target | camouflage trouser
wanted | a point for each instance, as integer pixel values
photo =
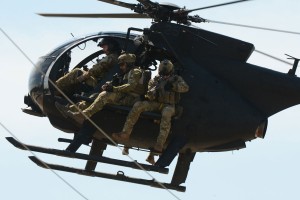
(167, 111)
(115, 98)
(69, 82)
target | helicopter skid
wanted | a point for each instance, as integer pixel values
(119, 176)
(91, 163)
(89, 158)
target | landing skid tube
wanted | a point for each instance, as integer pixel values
(119, 176)
(95, 157)
(87, 157)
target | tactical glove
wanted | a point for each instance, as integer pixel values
(109, 88)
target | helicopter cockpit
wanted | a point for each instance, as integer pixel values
(83, 53)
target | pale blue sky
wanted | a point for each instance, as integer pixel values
(266, 169)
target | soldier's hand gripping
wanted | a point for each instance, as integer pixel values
(107, 87)
(103, 87)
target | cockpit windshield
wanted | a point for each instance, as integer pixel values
(69, 42)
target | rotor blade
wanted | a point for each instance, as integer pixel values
(217, 5)
(255, 27)
(95, 15)
(120, 3)
(146, 3)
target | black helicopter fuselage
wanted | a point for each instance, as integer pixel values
(228, 103)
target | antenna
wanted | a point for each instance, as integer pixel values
(296, 61)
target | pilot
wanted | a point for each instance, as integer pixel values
(69, 82)
(129, 92)
(163, 94)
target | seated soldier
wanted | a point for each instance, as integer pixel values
(69, 82)
(129, 92)
(163, 95)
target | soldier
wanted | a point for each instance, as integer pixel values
(69, 82)
(163, 95)
(127, 94)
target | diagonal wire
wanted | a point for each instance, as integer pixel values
(86, 117)
(56, 174)
(270, 56)
(255, 27)
(61, 178)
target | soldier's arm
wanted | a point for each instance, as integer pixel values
(133, 80)
(180, 85)
(102, 66)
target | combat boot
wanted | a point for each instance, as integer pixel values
(150, 159)
(125, 151)
(77, 116)
(62, 109)
(122, 136)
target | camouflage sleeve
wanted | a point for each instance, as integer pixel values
(133, 80)
(179, 85)
(103, 66)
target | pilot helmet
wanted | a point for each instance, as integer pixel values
(111, 43)
(127, 58)
(165, 67)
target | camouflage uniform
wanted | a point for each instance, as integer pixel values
(125, 94)
(161, 100)
(69, 82)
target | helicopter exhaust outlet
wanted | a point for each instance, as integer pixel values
(261, 129)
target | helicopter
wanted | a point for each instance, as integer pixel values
(225, 107)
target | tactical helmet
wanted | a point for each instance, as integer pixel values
(165, 67)
(127, 58)
(111, 43)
